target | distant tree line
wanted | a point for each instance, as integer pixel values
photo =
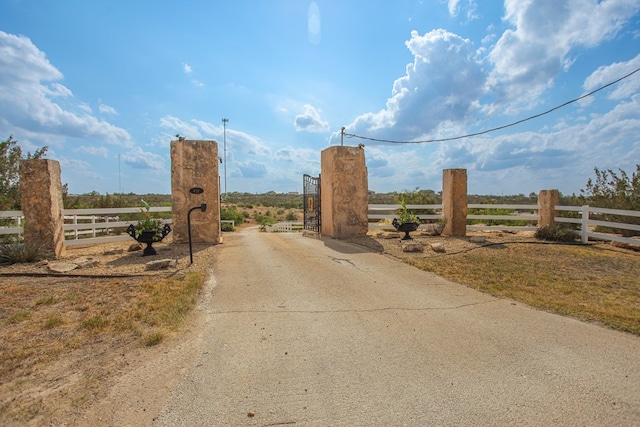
(609, 189)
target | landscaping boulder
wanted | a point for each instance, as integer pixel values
(162, 264)
(61, 267)
(412, 246)
(477, 239)
(86, 262)
(135, 247)
(388, 235)
(431, 229)
(114, 251)
(438, 247)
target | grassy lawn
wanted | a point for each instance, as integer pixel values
(597, 282)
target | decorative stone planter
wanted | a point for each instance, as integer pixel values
(406, 228)
(149, 237)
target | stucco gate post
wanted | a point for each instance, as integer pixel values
(547, 201)
(41, 203)
(344, 192)
(454, 202)
(194, 164)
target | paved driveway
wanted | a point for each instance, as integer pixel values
(300, 331)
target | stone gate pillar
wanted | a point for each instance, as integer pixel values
(41, 203)
(454, 202)
(194, 164)
(344, 192)
(547, 200)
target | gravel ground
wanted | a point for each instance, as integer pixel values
(118, 259)
(452, 245)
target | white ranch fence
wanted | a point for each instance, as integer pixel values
(94, 222)
(520, 213)
(585, 217)
(86, 222)
(285, 227)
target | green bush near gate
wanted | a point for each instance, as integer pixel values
(230, 213)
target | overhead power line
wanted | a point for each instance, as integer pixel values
(351, 135)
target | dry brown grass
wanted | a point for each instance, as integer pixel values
(62, 336)
(597, 282)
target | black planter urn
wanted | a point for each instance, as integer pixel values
(149, 237)
(405, 227)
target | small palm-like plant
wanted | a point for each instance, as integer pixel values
(16, 253)
(147, 222)
(406, 221)
(405, 216)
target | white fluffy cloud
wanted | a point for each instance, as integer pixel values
(252, 169)
(452, 84)
(140, 159)
(106, 109)
(29, 90)
(441, 86)
(530, 55)
(310, 121)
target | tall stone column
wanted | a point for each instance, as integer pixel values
(344, 192)
(547, 200)
(194, 164)
(41, 203)
(454, 202)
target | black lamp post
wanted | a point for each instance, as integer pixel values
(203, 208)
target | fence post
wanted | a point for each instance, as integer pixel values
(454, 202)
(585, 224)
(547, 201)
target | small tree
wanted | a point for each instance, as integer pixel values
(418, 197)
(614, 190)
(10, 158)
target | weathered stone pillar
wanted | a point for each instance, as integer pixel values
(41, 203)
(344, 192)
(547, 200)
(454, 202)
(194, 164)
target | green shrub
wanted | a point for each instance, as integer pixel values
(291, 216)
(15, 253)
(226, 226)
(263, 221)
(231, 213)
(556, 233)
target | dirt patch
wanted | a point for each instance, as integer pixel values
(63, 338)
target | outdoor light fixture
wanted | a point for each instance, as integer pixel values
(203, 208)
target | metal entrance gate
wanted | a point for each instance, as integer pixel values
(311, 194)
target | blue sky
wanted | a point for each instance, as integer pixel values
(108, 84)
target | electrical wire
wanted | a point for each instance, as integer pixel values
(350, 135)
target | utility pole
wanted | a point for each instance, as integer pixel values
(119, 177)
(224, 125)
(342, 136)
